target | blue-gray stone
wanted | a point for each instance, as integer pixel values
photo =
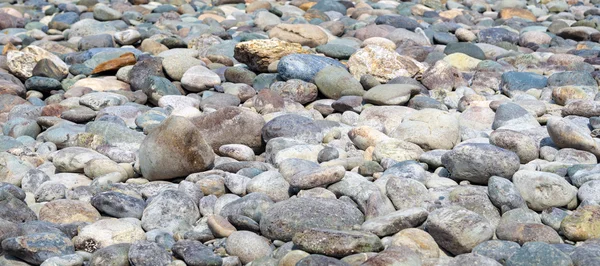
(499, 250)
(574, 78)
(330, 5)
(96, 41)
(338, 51)
(304, 66)
(194, 253)
(63, 21)
(497, 35)
(469, 49)
(587, 254)
(118, 205)
(42, 84)
(444, 38)
(538, 253)
(397, 21)
(521, 81)
(158, 87)
(37, 248)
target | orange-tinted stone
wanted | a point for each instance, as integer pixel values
(126, 59)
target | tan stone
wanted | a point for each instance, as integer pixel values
(304, 34)
(382, 63)
(418, 241)
(258, 54)
(508, 13)
(21, 63)
(219, 226)
(65, 211)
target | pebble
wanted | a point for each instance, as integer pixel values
(362, 133)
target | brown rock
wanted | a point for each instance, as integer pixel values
(65, 211)
(527, 232)
(174, 149)
(508, 13)
(126, 59)
(304, 34)
(258, 54)
(54, 109)
(8, 21)
(8, 101)
(231, 125)
(219, 226)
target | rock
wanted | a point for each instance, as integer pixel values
(513, 115)
(304, 34)
(391, 94)
(36, 248)
(538, 252)
(498, 250)
(396, 149)
(504, 195)
(469, 49)
(521, 81)
(521, 144)
(473, 259)
(527, 232)
(64, 211)
(395, 222)
(47, 68)
(199, 78)
(336, 243)
(105, 13)
(295, 90)
(21, 63)
(194, 253)
(247, 246)
(106, 233)
(442, 76)
(14, 210)
(418, 128)
(285, 218)
(253, 205)
(508, 13)
(259, 54)
(335, 82)
(317, 259)
(317, 177)
(382, 63)
(115, 254)
(304, 66)
(418, 241)
(543, 190)
(125, 59)
(178, 136)
(581, 224)
(394, 255)
(406, 193)
(294, 127)
(566, 134)
(246, 130)
(146, 253)
(170, 210)
(118, 205)
(458, 230)
(478, 162)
